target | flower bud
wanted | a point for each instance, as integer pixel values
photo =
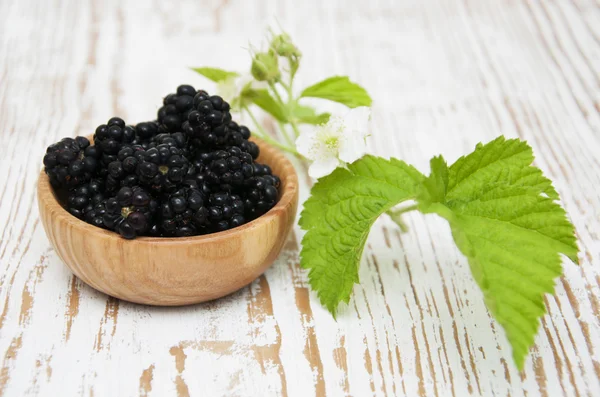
(265, 67)
(283, 46)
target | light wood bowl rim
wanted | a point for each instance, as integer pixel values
(289, 181)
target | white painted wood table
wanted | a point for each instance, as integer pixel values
(444, 75)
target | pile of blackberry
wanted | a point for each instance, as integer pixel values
(192, 171)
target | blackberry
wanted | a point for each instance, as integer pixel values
(261, 192)
(208, 121)
(192, 171)
(196, 178)
(163, 167)
(273, 180)
(229, 168)
(184, 213)
(237, 133)
(71, 162)
(145, 131)
(105, 160)
(82, 199)
(111, 136)
(176, 139)
(263, 170)
(121, 172)
(130, 213)
(202, 157)
(95, 215)
(250, 148)
(225, 211)
(176, 108)
(224, 135)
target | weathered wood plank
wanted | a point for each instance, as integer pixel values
(445, 75)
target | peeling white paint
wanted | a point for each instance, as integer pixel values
(444, 75)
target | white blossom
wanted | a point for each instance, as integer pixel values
(341, 140)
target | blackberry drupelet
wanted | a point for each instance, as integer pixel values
(176, 108)
(184, 213)
(122, 171)
(71, 162)
(154, 231)
(225, 211)
(131, 212)
(82, 199)
(163, 168)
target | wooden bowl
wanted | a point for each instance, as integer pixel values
(173, 271)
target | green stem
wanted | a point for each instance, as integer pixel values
(288, 89)
(295, 128)
(286, 106)
(255, 121)
(276, 93)
(285, 133)
(284, 85)
(401, 211)
(396, 216)
(262, 134)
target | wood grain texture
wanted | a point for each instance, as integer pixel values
(445, 74)
(171, 271)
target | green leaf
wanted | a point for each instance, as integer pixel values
(263, 99)
(504, 219)
(308, 115)
(434, 187)
(338, 216)
(501, 160)
(215, 74)
(339, 89)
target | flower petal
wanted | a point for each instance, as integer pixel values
(321, 168)
(305, 142)
(356, 121)
(352, 148)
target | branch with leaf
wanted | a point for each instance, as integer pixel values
(270, 86)
(502, 211)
